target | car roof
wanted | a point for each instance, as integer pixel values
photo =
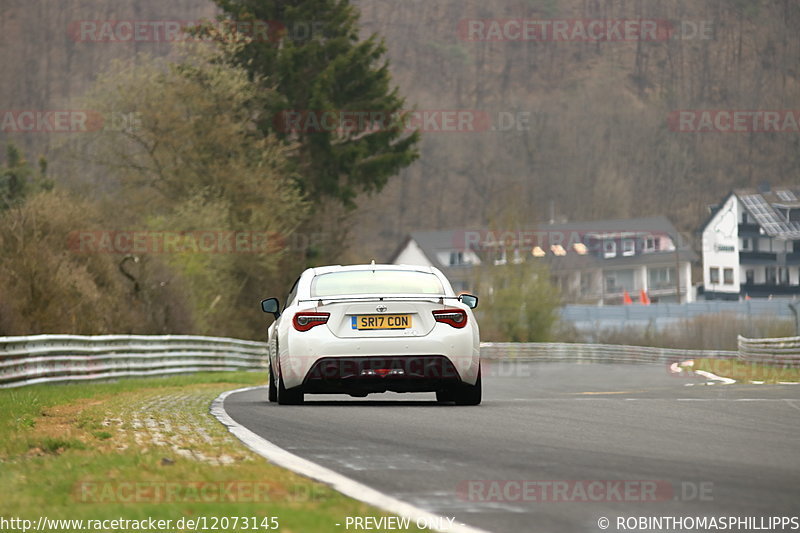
(346, 268)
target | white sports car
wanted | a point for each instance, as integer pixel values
(365, 329)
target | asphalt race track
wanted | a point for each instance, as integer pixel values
(709, 450)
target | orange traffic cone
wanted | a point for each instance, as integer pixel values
(626, 298)
(644, 299)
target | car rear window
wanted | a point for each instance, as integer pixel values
(375, 281)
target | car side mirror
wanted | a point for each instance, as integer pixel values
(469, 300)
(271, 305)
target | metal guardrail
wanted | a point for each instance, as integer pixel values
(593, 353)
(49, 358)
(784, 351)
(53, 358)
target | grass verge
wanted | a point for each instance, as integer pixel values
(148, 448)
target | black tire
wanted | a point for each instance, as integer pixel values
(289, 396)
(272, 391)
(469, 394)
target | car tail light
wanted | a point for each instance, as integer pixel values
(304, 321)
(454, 317)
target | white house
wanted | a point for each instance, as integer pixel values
(751, 245)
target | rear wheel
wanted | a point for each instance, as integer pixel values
(468, 394)
(272, 391)
(289, 396)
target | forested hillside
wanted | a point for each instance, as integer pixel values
(597, 143)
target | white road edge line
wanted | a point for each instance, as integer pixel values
(335, 480)
(709, 375)
(676, 368)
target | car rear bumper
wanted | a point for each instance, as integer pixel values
(406, 373)
(460, 349)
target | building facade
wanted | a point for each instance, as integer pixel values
(751, 245)
(599, 262)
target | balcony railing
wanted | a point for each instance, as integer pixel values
(758, 257)
(766, 289)
(749, 229)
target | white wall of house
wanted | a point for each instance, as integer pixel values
(686, 281)
(641, 277)
(412, 254)
(721, 247)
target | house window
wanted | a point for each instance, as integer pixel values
(456, 258)
(586, 283)
(744, 218)
(713, 275)
(628, 248)
(750, 276)
(650, 244)
(609, 249)
(783, 275)
(660, 278)
(727, 276)
(771, 275)
(745, 244)
(619, 280)
(611, 284)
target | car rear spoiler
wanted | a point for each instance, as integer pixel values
(469, 300)
(322, 299)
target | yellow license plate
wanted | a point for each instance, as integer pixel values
(381, 322)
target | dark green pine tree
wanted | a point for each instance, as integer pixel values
(17, 180)
(318, 63)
